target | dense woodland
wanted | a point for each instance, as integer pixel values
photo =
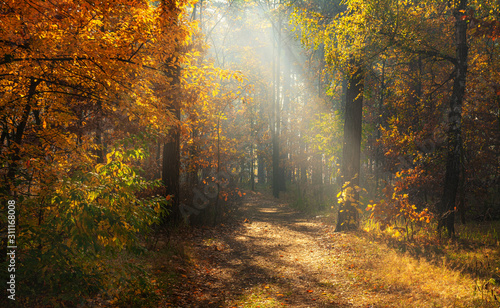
(122, 119)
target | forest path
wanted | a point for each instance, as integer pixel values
(268, 255)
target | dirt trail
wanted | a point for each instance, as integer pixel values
(268, 255)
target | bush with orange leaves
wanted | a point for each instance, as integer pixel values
(395, 207)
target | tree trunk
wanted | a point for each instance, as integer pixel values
(18, 136)
(252, 164)
(317, 177)
(171, 148)
(351, 150)
(261, 173)
(303, 167)
(378, 151)
(100, 152)
(452, 175)
(277, 166)
(170, 170)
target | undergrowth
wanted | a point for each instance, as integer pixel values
(474, 255)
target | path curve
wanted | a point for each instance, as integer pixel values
(268, 255)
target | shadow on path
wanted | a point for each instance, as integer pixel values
(267, 255)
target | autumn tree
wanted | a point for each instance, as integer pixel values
(351, 151)
(83, 94)
(454, 147)
(345, 52)
(171, 148)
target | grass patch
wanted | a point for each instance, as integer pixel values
(433, 270)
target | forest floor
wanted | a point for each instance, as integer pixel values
(269, 255)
